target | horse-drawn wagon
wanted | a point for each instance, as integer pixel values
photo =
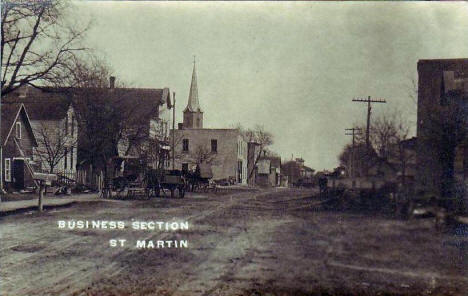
(135, 179)
(200, 178)
(160, 180)
(151, 183)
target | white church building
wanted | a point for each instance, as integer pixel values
(224, 149)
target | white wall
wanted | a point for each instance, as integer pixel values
(231, 149)
(52, 127)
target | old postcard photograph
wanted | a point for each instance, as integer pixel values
(283, 148)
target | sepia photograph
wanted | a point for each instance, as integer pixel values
(233, 148)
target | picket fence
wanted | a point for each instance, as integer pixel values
(82, 178)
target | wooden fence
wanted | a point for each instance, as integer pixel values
(85, 178)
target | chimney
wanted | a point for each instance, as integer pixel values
(112, 82)
(23, 91)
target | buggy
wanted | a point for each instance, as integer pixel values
(200, 178)
(158, 181)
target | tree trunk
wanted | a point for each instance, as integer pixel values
(255, 163)
(107, 188)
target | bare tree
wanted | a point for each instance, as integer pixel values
(388, 133)
(413, 91)
(53, 144)
(106, 120)
(38, 43)
(202, 154)
(86, 71)
(388, 130)
(398, 149)
(259, 136)
(360, 157)
(106, 117)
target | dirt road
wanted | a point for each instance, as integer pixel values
(276, 242)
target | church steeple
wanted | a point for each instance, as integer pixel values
(193, 104)
(193, 115)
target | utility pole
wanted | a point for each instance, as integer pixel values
(353, 132)
(173, 131)
(369, 108)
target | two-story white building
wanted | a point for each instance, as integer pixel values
(147, 133)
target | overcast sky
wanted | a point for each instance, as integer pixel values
(293, 67)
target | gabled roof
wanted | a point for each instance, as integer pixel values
(52, 103)
(146, 96)
(275, 161)
(47, 104)
(10, 113)
(306, 168)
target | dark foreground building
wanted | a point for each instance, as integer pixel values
(18, 141)
(442, 125)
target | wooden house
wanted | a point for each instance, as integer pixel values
(18, 141)
(55, 126)
(268, 171)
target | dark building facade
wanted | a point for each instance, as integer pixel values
(441, 126)
(18, 142)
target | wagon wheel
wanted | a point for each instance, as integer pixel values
(172, 192)
(157, 191)
(148, 192)
(181, 190)
(406, 209)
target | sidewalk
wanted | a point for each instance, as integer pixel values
(9, 207)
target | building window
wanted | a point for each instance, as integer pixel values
(18, 130)
(214, 145)
(185, 167)
(185, 145)
(7, 170)
(66, 125)
(71, 158)
(72, 126)
(65, 161)
(239, 171)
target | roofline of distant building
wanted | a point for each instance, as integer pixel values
(430, 64)
(441, 60)
(46, 88)
(202, 129)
